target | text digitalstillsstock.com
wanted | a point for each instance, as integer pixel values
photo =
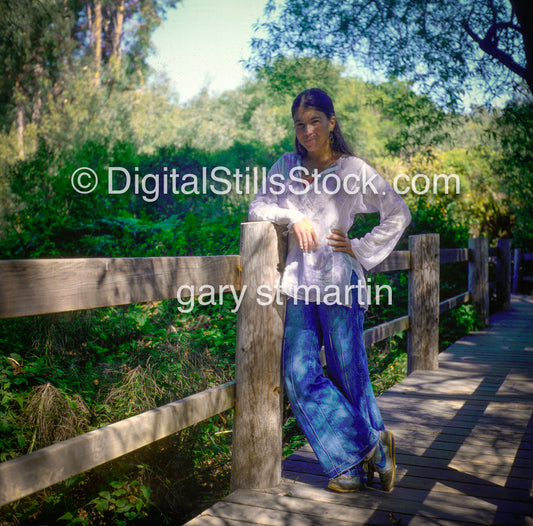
(188, 296)
(220, 180)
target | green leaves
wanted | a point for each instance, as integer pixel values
(443, 47)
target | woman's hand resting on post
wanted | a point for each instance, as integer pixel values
(306, 234)
(341, 242)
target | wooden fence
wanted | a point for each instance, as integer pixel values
(522, 270)
(31, 287)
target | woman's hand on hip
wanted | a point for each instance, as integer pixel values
(340, 242)
(306, 234)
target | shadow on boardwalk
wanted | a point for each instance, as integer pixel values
(464, 438)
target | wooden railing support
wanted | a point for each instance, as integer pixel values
(517, 271)
(478, 276)
(423, 334)
(257, 430)
(503, 274)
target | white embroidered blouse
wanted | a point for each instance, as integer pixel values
(346, 188)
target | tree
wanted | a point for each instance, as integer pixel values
(110, 30)
(44, 44)
(32, 37)
(515, 169)
(442, 45)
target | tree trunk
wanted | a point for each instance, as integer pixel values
(97, 40)
(18, 100)
(37, 99)
(117, 33)
(21, 125)
(37, 109)
(524, 14)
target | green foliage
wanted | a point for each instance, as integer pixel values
(79, 371)
(515, 167)
(288, 77)
(125, 501)
(293, 438)
(387, 362)
(46, 44)
(456, 323)
(114, 362)
(442, 47)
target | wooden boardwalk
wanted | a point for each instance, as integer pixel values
(464, 446)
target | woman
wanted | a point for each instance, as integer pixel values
(316, 192)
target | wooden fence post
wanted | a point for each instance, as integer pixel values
(423, 334)
(503, 274)
(257, 430)
(478, 276)
(516, 269)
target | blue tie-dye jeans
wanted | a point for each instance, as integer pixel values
(338, 413)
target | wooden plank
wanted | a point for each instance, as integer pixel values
(473, 399)
(385, 330)
(208, 520)
(468, 365)
(397, 260)
(433, 458)
(311, 511)
(434, 391)
(453, 255)
(446, 379)
(453, 302)
(429, 503)
(456, 429)
(411, 494)
(43, 286)
(508, 382)
(257, 430)
(440, 410)
(449, 439)
(423, 335)
(447, 450)
(273, 516)
(470, 495)
(488, 474)
(27, 474)
(417, 479)
(405, 498)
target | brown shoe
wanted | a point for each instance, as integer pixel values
(349, 483)
(384, 460)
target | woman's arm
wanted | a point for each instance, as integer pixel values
(379, 196)
(265, 206)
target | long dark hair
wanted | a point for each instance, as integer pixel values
(319, 100)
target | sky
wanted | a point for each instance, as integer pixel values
(201, 43)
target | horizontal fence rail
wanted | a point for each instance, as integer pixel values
(44, 286)
(397, 260)
(25, 475)
(385, 330)
(452, 303)
(31, 287)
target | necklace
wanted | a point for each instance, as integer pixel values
(319, 166)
